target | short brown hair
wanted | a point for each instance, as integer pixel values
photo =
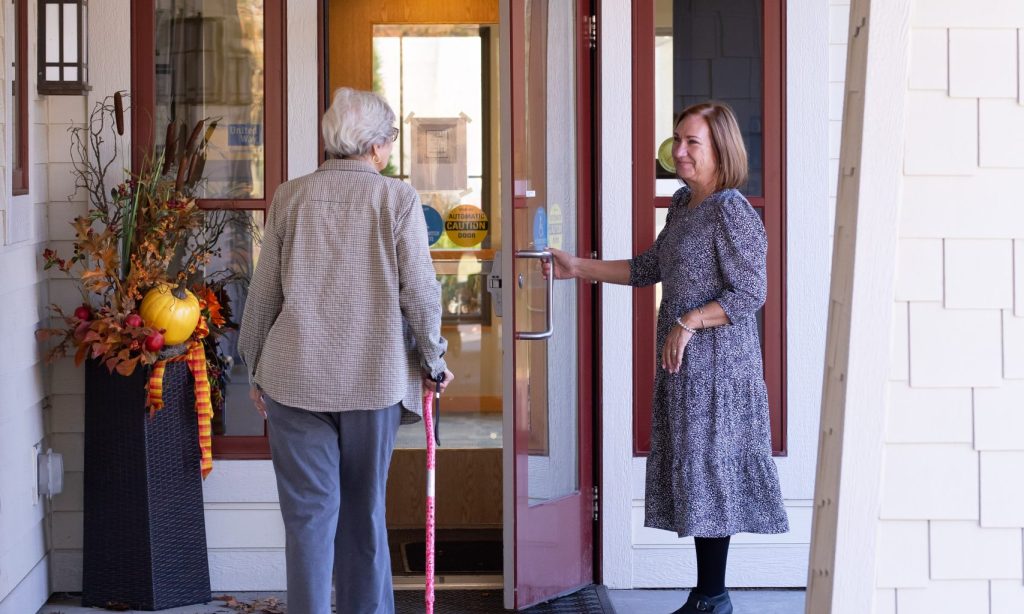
(727, 140)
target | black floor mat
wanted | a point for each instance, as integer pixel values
(455, 557)
(589, 600)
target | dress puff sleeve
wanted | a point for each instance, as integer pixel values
(741, 246)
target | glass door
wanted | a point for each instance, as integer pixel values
(440, 80)
(549, 494)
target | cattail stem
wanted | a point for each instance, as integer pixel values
(119, 113)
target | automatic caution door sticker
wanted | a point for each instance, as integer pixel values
(466, 225)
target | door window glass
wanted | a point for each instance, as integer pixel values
(704, 51)
(547, 373)
(210, 65)
(438, 79)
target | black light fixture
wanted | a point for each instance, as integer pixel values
(63, 47)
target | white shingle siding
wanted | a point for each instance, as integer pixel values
(899, 343)
(930, 481)
(978, 274)
(983, 63)
(1007, 597)
(929, 415)
(903, 554)
(999, 418)
(919, 270)
(962, 550)
(951, 521)
(934, 123)
(960, 596)
(946, 353)
(982, 206)
(1002, 497)
(1020, 66)
(925, 46)
(1000, 133)
(962, 14)
(1018, 278)
(1013, 346)
(885, 601)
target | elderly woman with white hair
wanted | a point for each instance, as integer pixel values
(341, 326)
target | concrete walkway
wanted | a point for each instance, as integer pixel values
(624, 601)
(743, 601)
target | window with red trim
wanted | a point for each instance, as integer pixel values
(688, 51)
(19, 100)
(219, 65)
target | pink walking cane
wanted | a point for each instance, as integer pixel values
(431, 403)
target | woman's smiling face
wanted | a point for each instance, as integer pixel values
(694, 153)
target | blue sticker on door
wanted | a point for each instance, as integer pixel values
(435, 226)
(540, 229)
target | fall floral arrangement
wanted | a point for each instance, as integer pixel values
(141, 251)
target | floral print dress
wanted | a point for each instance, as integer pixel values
(710, 471)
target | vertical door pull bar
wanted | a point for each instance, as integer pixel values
(548, 320)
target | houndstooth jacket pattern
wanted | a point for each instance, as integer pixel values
(344, 308)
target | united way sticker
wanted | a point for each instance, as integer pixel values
(434, 224)
(466, 226)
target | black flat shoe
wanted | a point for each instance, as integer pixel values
(698, 603)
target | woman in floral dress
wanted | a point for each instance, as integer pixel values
(710, 472)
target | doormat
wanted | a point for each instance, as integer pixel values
(455, 557)
(589, 600)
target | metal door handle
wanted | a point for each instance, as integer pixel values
(549, 326)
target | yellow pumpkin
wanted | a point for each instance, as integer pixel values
(175, 310)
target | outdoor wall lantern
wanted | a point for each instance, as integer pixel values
(63, 47)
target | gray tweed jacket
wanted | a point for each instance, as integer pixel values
(344, 309)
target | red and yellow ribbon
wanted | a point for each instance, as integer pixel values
(196, 359)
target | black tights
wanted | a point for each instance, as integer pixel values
(712, 553)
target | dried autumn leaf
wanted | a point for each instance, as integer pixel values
(46, 333)
(92, 274)
(128, 366)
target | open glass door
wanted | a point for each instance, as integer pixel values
(548, 452)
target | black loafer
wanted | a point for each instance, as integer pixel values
(698, 604)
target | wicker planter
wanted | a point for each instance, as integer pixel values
(145, 534)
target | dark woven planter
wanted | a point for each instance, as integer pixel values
(145, 533)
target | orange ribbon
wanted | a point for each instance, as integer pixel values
(196, 359)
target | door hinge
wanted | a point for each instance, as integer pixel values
(590, 23)
(595, 503)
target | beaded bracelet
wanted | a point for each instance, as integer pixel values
(692, 331)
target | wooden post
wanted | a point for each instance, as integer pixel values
(841, 576)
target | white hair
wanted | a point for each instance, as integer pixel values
(355, 122)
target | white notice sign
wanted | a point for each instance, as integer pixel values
(438, 153)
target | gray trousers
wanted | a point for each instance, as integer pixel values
(332, 472)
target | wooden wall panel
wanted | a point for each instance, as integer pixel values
(468, 488)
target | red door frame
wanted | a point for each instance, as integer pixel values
(143, 99)
(771, 204)
(554, 541)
